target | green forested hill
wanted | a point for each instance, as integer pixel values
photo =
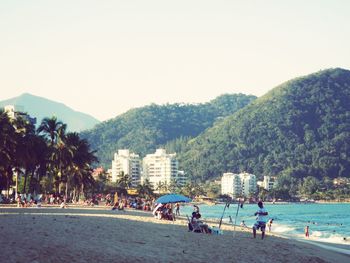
(300, 128)
(144, 129)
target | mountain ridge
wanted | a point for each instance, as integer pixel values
(289, 130)
(144, 129)
(41, 107)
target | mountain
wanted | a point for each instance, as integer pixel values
(144, 129)
(299, 128)
(40, 108)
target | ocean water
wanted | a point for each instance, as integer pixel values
(327, 222)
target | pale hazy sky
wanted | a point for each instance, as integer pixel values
(105, 57)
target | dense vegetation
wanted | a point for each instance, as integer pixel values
(144, 129)
(46, 160)
(298, 132)
(299, 129)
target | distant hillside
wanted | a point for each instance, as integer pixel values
(144, 129)
(300, 128)
(40, 108)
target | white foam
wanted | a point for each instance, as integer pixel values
(329, 238)
(278, 228)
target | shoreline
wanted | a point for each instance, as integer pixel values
(100, 234)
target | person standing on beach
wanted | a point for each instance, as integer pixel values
(306, 230)
(269, 224)
(177, 211)
(260, 220)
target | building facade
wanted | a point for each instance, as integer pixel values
(248, 183)
(181, 178)
(15, 112)
(160, 168)
(127, 163)
(235, 185)
(268, 182)
(231, 184)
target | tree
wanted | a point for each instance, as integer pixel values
(7, 150)
(309, 186)
(77, 162)
(145, 189)
(161, 187)
(54, 130)
(173, 186)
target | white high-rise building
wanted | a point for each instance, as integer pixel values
(10, 110)
(160, 167)
(234, 185)
(231, 184)
(268, 184)
(248, 183)
(127, 163)
(181, 178)
(15, 112)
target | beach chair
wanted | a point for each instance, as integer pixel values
(192, 226)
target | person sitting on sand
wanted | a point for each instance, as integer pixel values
(169, 215)
(196, 208)
(63, 204)
(121, 205)
(116, 205)
(19, 201)
(243, 224)
(260, 220)
(196, 221)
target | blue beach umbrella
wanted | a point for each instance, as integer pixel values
(173, 198)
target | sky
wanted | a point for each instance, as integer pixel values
(104, 57)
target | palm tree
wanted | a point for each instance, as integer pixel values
(77, 162)
(159, 186)
(30, 150)
(173, 186)
(55, 131)
(124, 181)
(8, 142)
(145, 189)
(39, 155)
(52, 128)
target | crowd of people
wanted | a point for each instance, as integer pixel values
(164, 211)
(160, 211)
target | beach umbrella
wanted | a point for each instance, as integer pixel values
(173, 198)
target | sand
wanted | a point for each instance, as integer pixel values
(97, 234)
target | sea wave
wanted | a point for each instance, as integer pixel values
(279, 228)
(330, 238)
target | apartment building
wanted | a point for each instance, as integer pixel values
(248, 183)
(15, 112)
(128, 163)
(231, 184)
(160, 167)
(269, 182)
(243, 184)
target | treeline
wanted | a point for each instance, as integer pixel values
(308, 188)
(47, 159)
(143, 130)
(299, 129)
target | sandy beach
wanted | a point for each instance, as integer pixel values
(97, 234)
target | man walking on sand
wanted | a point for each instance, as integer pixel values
(260, 220)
